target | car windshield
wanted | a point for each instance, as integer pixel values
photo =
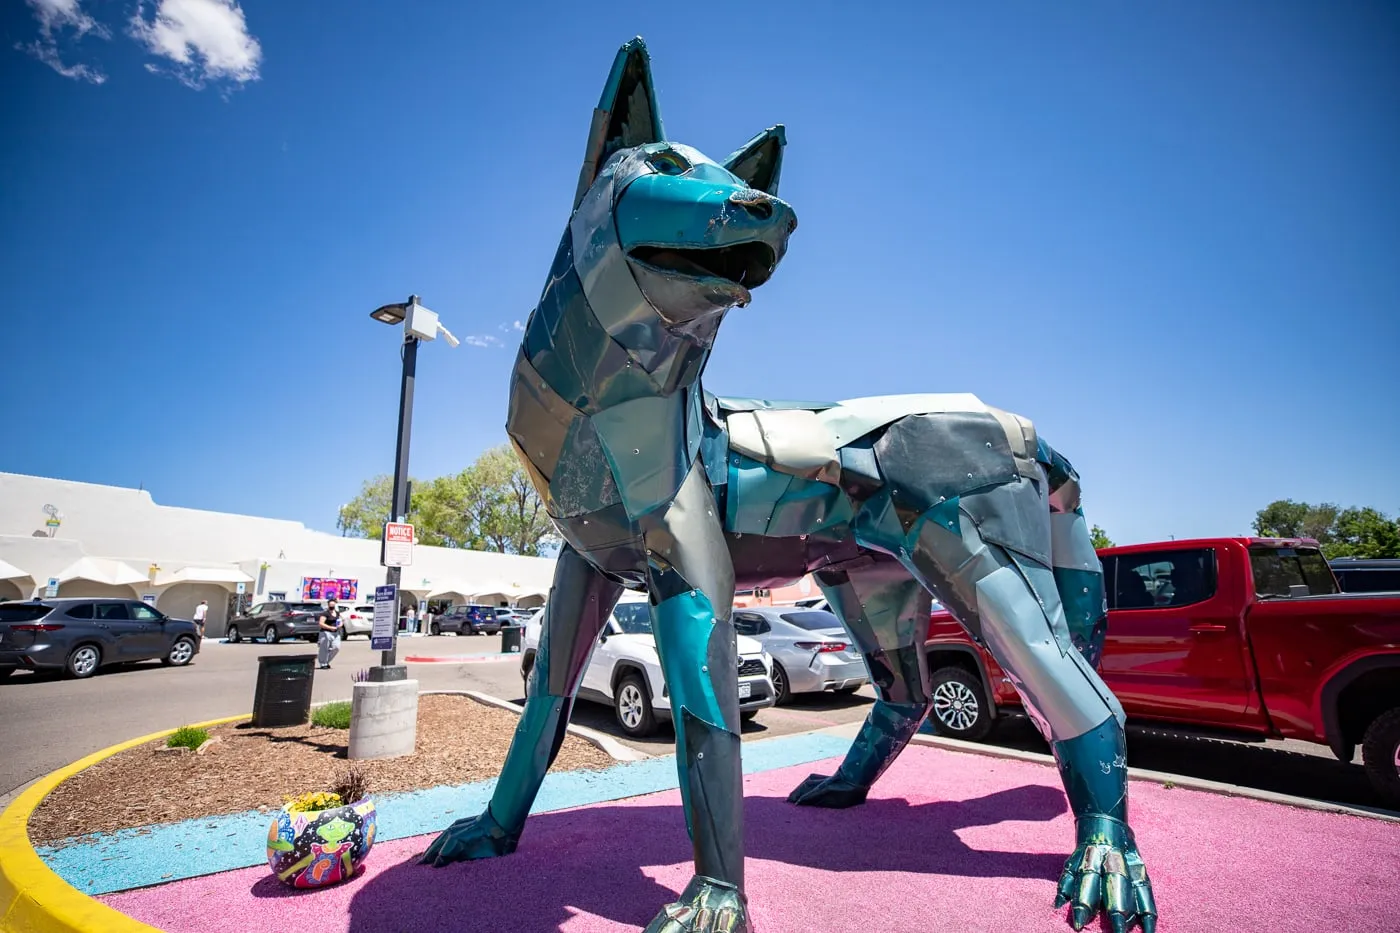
(813, 620)
(304, 607)
(633, 618)
(22, 612)
(1278, 568)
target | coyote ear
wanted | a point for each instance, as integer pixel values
(626, 115)
(759, 161)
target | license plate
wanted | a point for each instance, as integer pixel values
(745, 691)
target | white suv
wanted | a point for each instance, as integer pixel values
(625, 671)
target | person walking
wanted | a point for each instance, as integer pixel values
(200, 612)
(328, 639)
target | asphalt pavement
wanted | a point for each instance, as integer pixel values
(47, 722)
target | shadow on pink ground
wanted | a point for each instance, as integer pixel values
(948, 842)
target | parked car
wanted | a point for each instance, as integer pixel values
(625, 671)
(275, 621)
(1363, 575)
(811, 650)
(79, 636)
(467, 619)
(356, 620)
(1250, 636)
(513, 616)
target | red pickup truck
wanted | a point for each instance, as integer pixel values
(1245, 635)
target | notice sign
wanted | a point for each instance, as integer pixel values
(386, 601)
(398, 544)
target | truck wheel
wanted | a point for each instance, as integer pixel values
(233, 635)
(270, 635)
(1380, 751)
(960, 707)
(633, 707)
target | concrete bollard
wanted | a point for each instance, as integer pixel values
(383, 719)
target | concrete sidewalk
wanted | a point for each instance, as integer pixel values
(947, 841)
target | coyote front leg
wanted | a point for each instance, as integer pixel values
(580, 601)
(691, 583)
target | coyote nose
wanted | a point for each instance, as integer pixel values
(756, 203)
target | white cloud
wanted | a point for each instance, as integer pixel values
(518, 326)
(207, 40)
(481, 340)
(56, 16)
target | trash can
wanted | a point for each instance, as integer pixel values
(283, 693)
(510, 638)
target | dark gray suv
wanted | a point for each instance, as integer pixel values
(274, 621)
(80, 635)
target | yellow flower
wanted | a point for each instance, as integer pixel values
(310, 803)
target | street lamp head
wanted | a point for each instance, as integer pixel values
(390, 314)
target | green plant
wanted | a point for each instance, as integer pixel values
(353, 784)
(187, 737)
(332, 716)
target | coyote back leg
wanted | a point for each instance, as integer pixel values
(580, 601)
(886, 611)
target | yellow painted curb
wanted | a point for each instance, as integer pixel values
(32, 898)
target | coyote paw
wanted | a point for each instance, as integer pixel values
(833, 792)
(473, 837)
(1107, 873)
(705, 906)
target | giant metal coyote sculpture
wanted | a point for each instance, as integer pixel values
(656, 485)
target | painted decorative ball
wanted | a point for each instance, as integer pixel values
(320, 847)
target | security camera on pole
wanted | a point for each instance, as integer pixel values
(384, 710)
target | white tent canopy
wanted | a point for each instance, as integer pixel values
(228, 576)
(11, 572)
(102, 570)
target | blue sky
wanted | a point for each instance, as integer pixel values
(1166, 233)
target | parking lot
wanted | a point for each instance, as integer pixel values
(48, 721)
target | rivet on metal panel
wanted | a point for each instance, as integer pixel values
(699, 754)
(637, 450)
(704, 669)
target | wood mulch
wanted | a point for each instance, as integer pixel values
(459, 740)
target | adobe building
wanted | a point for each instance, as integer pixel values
(96, 540)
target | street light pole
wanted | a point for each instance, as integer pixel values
(419, 324)
(388, 662)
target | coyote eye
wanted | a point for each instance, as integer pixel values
(668, 162)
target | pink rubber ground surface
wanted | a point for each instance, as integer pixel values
(947, 842)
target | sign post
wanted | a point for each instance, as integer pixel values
(398, 544)
(386, 618)
(51, 590)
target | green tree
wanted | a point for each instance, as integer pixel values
(1285, 518)
(1100, 538)
(1364, 533)
(489, 506)
(364, 516)
(515, 520)
(1353, 532)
